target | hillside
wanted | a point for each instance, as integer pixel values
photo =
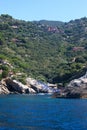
(49, 23)
(55, 54)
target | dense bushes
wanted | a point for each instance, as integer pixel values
(5, 71)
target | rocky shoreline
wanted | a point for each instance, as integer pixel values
(77, 88)
(9, 86)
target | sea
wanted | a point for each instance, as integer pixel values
(42, 112)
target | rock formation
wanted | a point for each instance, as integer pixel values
(15, 86)
(32, 87)
(4, 90)
(41, 87)
(77, 88)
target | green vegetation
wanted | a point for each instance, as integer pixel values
(4, 71)
(50, 51)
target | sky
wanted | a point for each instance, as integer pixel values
(58, 10)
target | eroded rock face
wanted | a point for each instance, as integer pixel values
(4, 90)
(33, 86)
(40, 87)
(15, 86)
(76, 89)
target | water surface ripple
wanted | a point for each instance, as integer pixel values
(41, 112)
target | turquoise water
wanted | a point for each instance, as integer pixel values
(41, 112)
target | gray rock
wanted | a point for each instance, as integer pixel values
(40, 87)
(4, 90)
(15, 86)
(33, 86)
(77, 88)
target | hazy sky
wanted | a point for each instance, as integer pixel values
(60, 10)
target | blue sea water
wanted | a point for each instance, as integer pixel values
(42, 112)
